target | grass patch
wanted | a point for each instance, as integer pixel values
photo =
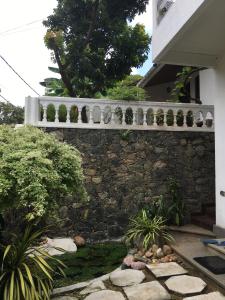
(90, 262)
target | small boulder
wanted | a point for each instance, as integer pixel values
(138, 265)
(154, 249)
(128, 260)
(140, 258)
(167, 250)
(148, 254)
(159, 253)
(79, 241)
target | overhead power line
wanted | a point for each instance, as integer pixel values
(21, 26)
(19, 75)
(4, 98)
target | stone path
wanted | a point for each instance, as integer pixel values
(133, 285)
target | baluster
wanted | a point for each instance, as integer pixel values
(56, 113)
(155, 118)
(145, 111)
(204, 115)
(101, 115)
(91, 120)
(68, 108)
(44, 113)
(185, 119)
(113, 120)
(136, 120)
(123, 116)
(165, 118)
(175, 119)
(79, 121)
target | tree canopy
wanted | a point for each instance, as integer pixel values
(127, 89)
(11, 114)
(93, 43)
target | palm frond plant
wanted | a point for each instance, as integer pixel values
(146, 230)
(26, 271)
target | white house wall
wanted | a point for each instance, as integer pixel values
(212, 83)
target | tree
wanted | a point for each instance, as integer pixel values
(93, 44)
(11, 114)
(37, 172)
(54, 86)
(127, 89)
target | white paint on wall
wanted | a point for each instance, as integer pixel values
(212, 83)
(218, 81)
(175, 19)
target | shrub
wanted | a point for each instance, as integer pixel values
(176, 210)
(146, 231)
(37, 172)
(25, 272)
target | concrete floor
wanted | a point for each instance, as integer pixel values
(188, 245)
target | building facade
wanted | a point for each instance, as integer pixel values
(191, 33)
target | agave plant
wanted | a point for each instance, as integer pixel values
(26, 271)
(147, 230)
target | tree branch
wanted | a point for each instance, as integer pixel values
(92, 23)
(63, 74)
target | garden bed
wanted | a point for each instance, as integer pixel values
(90, 262)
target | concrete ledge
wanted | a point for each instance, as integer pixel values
(219, 231)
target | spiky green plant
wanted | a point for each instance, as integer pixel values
(147, 230)
(26, 271)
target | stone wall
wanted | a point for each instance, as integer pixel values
(125, 171)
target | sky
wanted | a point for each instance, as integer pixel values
(22, 46)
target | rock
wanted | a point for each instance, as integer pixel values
(154, 248)
(127, 277)
(90, 172)
(132, 251)
(185, 285)
(105, 295)
(128, 260)
(66, 244)
(97, 180)
(210, 296)
(95, 286)
(159, 165)
(140, 258)
(63, 212)
(138, 265)
(167, 250)
(140, 253)
(148, 254)
(166, 269)
(79, 241)
(147, 291)
(159, 253)
(165, 259)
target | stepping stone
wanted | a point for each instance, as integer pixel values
(166, 269)
(70, 288)
(147, 291)
(95, 286)
(185, 285)
(127, 277)
(67, 245)
(105, 295)
(210, 296)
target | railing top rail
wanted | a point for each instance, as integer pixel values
(96, 102)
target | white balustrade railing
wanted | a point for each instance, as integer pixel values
(64, 112)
